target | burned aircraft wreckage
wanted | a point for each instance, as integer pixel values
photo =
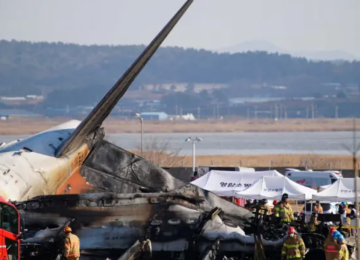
(117, 202)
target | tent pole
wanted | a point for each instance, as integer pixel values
(297, 208)
(356, 204)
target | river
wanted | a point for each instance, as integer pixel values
(240, 143)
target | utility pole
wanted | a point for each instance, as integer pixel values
(276, 111)
(176, 109)
(307, 112)
(141, 129)
(356, 184)
(214, 112)
(312, 111)
(198, 113)
(285, 112)
(281, 110)
(255, 112)
(217, 111)
(336, 112)
(193, 141)
(356, 175)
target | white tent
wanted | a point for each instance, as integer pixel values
(341, 190)
(227, 183)
(324, 187)
(274, 187)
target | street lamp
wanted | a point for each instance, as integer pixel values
(189, 139)
(141, 126)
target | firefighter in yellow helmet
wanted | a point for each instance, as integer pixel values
(294, 247)
(71, 245)
(330, 246)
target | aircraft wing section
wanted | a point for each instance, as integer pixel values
(94, 120)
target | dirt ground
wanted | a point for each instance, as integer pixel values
(113, 125)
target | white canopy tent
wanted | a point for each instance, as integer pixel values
(324, 187)
(227, 183)
(341, 190)
(270, 187)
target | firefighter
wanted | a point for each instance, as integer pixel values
(313, 223)
(263, 208)
(274, 205)
(254, 205)
(277, 209)
(330, 246)
(72, 245)
(294, 247)
(248, 204)
(342, 250)
(343, 211)
(286, 213)
(317, 208)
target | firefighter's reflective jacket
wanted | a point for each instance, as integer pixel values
(263, 209)
(343, 252)
(331, 248)
(313, 224)
(72, 246)
(286, 213)
(277, 209)
(293, 248)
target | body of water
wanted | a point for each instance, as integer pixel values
(241, 143)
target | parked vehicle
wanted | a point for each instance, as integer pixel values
(328, 208)
(9, 231)
(313, 179)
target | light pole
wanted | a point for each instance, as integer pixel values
(196, 139)
(141, 126)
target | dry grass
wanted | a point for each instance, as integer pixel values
(337, 162)
(160, 153)
(113, 125)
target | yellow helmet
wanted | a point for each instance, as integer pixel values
(67, 229)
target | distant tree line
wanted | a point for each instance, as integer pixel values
(67, 71)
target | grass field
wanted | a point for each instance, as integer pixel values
(112, 125)
(337, 162)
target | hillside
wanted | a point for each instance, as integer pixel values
(260, 45)
(26, 68)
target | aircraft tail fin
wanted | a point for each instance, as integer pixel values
(94, 120)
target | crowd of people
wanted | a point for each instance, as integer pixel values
(335, 245)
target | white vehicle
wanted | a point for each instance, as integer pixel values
(328, 208)
(313, 179)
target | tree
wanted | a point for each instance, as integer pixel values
(219, 96)
(160, 153)
(190, 88)
(69, 66)
(341, 94)
(173, 87)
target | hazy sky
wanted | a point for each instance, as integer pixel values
(211, 24)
